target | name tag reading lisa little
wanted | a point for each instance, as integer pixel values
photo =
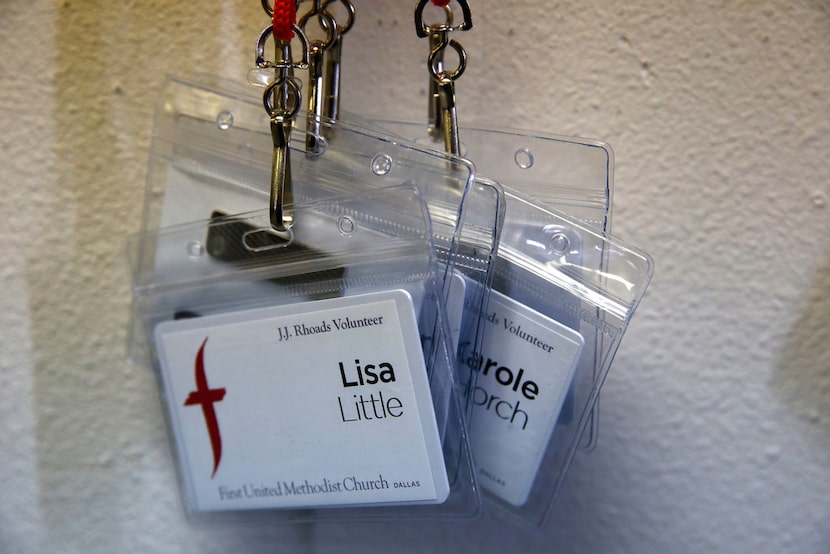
(323, 403)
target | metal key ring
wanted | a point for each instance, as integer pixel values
(327, 23)
(341, 29)
(423, 30)
(270, 92)
(436, 56)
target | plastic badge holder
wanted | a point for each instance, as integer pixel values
(564, 292)
(212, 149)
(549, 303)
(306, 376)
(571, 174)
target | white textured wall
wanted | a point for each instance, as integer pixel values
(716, 416)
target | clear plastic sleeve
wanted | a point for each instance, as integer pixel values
(211, 150)
(234, 281)
(571, 174)
(563, 295)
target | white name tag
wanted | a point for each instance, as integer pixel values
(316, 404)
(523, 374)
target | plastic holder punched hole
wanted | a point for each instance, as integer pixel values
(523, 158)
(381, 164)
(195, 249)
(559, 243)
(346, 226)
(224, 120)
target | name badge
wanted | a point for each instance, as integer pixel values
(523, 373)
(323, 403)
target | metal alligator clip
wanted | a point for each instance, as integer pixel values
(316, 91)
(334, 55)
(445, 91)
(281, 99)
(436, 120)
(282, 102)
(443, 117)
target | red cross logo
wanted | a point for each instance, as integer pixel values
(206, 397)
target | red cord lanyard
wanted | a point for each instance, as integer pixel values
(285, 16)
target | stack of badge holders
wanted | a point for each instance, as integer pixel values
(201, 254)
(565, 185)
(498, 223)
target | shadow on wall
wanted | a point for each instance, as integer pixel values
(88, 440)
(802, 375)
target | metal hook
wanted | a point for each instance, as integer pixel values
(449, 118)
(333, 59)
(331, 79)
(314, 113)
(434, 114)
(436, 60)
(282, 198)
(315, 75)
(445, 120)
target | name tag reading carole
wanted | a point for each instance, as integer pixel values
(323, 403)
(522, 377)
